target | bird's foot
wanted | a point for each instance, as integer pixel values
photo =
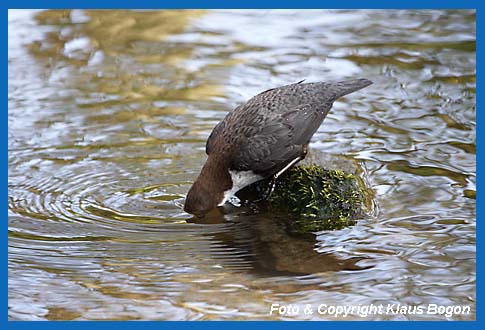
(267, 191)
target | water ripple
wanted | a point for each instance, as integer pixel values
(108, 115)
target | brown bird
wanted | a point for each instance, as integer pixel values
(262, 138)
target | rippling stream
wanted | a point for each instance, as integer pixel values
(108, 114)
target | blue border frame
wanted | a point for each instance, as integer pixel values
(248, 4)
(147, 4)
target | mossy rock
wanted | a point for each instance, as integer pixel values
(319, 199)
(323, 192)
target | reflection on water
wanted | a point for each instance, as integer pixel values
(108, 116)
(266, 245)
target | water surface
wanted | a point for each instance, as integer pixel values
(108, 116)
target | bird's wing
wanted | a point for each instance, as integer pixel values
(277, 141)
(304, 121)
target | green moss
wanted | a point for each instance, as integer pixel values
(319, 199)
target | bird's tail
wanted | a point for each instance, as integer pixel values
(349, 86)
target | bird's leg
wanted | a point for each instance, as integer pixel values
(272, 183)
(267, 191)
(290, 164)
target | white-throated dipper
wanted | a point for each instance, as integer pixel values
(262, 138)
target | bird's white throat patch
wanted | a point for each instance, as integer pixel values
(240, 179)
